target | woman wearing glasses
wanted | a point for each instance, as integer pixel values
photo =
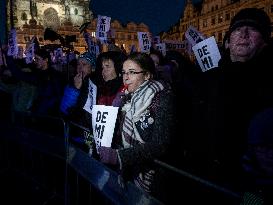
(145, 126)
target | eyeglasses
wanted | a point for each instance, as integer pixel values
(131, 72)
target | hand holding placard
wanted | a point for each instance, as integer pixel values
(103, 123)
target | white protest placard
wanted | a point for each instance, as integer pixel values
(12, 43)
(103, 124)
(207, 54)
(161, 47)
(30, 49)
(93, 48)
(103, 26)
(175, 45)
(194, 36)
(144, 41)
(92, 97)
(29, 54)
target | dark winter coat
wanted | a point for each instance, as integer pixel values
(139, 157)
(234, 92)
(49, 87)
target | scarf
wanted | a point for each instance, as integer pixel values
(141, 99)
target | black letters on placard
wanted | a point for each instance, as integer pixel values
(99, 129)
(103, 21)
(104, 117)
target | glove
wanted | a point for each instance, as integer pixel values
(119, 99)
(118, 102)
(108, 155)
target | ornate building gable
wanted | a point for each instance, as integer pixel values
(189, 10)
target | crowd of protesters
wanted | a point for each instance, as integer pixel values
(216, 124)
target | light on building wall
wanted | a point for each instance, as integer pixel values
(93, 34)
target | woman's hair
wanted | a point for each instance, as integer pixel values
(117, 57)
(144, 61)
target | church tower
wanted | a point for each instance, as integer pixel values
(51, 14)
(189, 10)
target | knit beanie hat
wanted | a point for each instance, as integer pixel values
(253, 17)
(91, 58)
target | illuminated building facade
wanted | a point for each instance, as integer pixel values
(212, 17)
(32, 17)
(53, 14)
(124, 35)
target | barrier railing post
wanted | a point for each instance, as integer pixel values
(66, 144)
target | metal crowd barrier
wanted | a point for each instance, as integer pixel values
(81, 179)
(41, 134)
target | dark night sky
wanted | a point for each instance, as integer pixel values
(159, 15)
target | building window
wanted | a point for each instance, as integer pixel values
(26, 38)
(76, 11)
(233, 14)
(205, 24)
(212, 9)
(220, 18)
(213, 21)
(24, 16)
(272, 8)
(216, 7)
(93, 34)
(129, 36)
(220, 36)
(227, 16)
